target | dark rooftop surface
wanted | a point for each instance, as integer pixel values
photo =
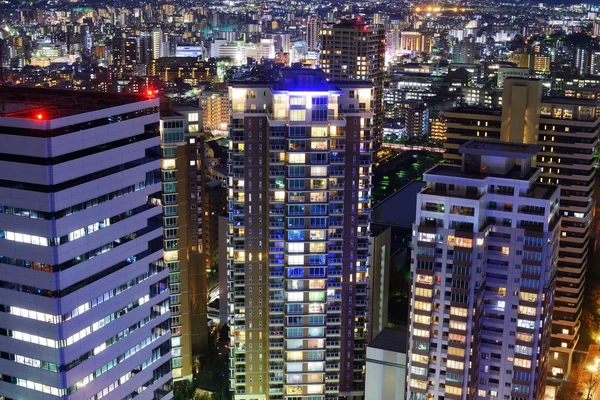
(475, 110)
(391, 340)
(46, 104)
(457, 172)
(302, 80)
(399, 208)
(499, 149)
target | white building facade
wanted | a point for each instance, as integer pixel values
(483, 274)
(83, 291)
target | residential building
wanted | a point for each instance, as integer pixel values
(410, 42)
(215, 110)
(157, 43)
(386, 366)
(542, 63)
(183, 185)
(484, 266)
(416, 120)
(465, 52)
(354, 49)
(568, 129)
(313, 28)
(84, 289)
(298, 236)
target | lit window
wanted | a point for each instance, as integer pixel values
(297, 158)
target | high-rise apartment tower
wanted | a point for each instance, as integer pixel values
(354, 49)
(567, 129)
(299, 187)
(483, 273)
(183, 176)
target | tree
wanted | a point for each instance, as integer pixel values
(592, 381)
(183, 391)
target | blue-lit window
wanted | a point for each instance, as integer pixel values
(317, 259)
(296, 184)
(295, 235)
(296, 272)
(295, 309)
(318, 222)
(319, 100)
(297, 171)
(295, 222)
(316, 320)
(319, 115)
(296, 210)
(318, 209)
(297, 131)
(317, 272)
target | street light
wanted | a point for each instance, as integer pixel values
(592, 383)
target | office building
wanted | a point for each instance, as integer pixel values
(183, 183)
(568, 129)
(355, 49)
(484, 265)
(298, 236)
(84, 291)
(509, 72)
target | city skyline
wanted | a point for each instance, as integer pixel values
(299, 201)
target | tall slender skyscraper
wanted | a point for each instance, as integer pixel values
(567, 129)
(84, 297)
(157, 43)
(182, 148)
(354, 49)
(484, 265)
(299, 187)
(313, 31)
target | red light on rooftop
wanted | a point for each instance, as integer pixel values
(39, 116)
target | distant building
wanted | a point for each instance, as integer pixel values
(189, 51)
(215, 110)
(354, 49)
(508, 72)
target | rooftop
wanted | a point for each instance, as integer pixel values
(475, 110)
(404, 199)
(391, 340)
(457, 172)
(47, 104)
(500, 149)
